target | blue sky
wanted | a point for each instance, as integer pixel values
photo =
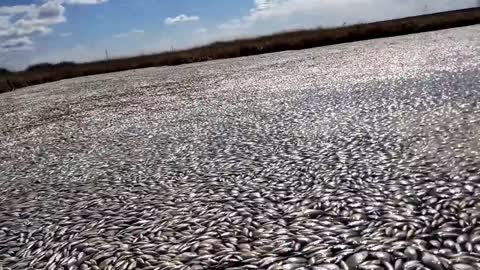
(33, 31)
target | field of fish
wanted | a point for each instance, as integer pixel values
(356, 156)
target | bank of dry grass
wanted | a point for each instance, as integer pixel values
(244, 47)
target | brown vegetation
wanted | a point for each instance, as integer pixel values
(42, 73)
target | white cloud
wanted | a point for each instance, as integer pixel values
(85, 2)
(4, 23)
(30, 20)
(181, 19)
(12, 10)
(200, 31)
(23, 22)
(65, 34)
(129, 33)
(17, 44)
(19, 24)
(269, 16)
(49, 10)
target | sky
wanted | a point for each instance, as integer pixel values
(37, 31)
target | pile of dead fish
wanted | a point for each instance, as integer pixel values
(322, 159)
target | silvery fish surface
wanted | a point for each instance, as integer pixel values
(355, 156)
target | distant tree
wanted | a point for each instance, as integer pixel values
(49, 66)
(4, 71)
(40, 67)
(65, 64)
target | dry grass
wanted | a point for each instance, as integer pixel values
(244, 47)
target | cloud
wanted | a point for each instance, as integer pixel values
(129, 33)
(4, 23)
(17, 44)
(269, 16)
(20, 21)
(19, 24)
(200, 31)
(181, 19)
(23, 22)
(65, 34)
(85, 2)
(12, 10)
(49, 10)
